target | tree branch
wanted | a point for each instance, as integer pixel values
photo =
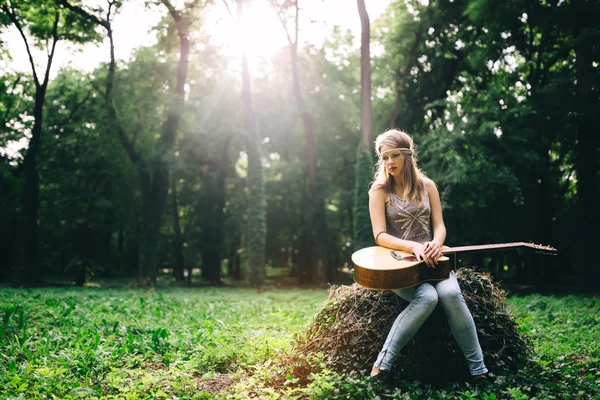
(402, 83)
(51, 55)
(279, 12)
(76, 108)
(110, 4)
(296, 26)
(540, 53)
(530, 45)
(174, 13)
(100, 91)
(228, 9)
(125, 142)
(15, 21)
(85, 13)
(113, 119)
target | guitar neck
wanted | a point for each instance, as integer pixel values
(484, 247)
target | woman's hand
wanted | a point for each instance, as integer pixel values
(432, 250)
(419, 250)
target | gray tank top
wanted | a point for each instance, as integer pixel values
(407, 220)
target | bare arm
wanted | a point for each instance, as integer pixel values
(377, 212)
(433, 248)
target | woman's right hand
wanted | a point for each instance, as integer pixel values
(419, 251)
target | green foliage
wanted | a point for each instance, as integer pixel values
(551, 375)
(235, 343)
(493, 95)
(15, 117)
(100, 342)
(493, 98)
(38, 18)
(83, 177)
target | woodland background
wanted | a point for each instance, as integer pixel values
(167, 159)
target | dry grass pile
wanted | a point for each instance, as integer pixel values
(352, 326)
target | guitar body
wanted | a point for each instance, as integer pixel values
(382, 268)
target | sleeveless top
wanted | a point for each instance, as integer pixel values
(407, 220)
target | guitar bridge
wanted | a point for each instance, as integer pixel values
(398, 257)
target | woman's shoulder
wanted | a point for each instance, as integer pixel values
(376, 191)
(430, 188)
(429, 183)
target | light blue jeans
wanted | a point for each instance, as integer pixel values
(423, 299)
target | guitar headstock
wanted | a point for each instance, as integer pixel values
(542, 249)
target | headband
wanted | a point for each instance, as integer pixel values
(402, 149)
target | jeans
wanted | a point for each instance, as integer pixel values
(423, 299)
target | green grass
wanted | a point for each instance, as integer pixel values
(187, 343)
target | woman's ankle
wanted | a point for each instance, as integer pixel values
(375, 371)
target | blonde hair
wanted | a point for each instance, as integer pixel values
(413, 185)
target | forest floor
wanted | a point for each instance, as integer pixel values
(203, 343)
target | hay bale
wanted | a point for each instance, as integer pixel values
(351, 328)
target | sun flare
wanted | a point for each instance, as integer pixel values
(258, 33)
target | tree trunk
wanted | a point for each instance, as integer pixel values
(154, 201)
(30, 196)
(234, 263)
(364, 161)
(548, 271)
(214, 241)
(366, 116)
(9, 246)
(30, 199)
(148, 236)
(179, 261)
(315, 259)
(213, 237)
(257, 228)
(587, 153)
(121, 256)
(154, 175)
(401, 82)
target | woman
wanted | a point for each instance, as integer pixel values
(406, 214)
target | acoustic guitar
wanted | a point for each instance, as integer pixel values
(378, 267)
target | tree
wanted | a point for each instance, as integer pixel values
(585, 35)
(314, 234)
(363, 235)
(154, 171)
(84, 197)
(155, 185)
(40, 24)
(256, 214)
(13, 104)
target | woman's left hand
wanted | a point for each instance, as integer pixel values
(432, 250)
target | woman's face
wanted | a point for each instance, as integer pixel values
(393, 160)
